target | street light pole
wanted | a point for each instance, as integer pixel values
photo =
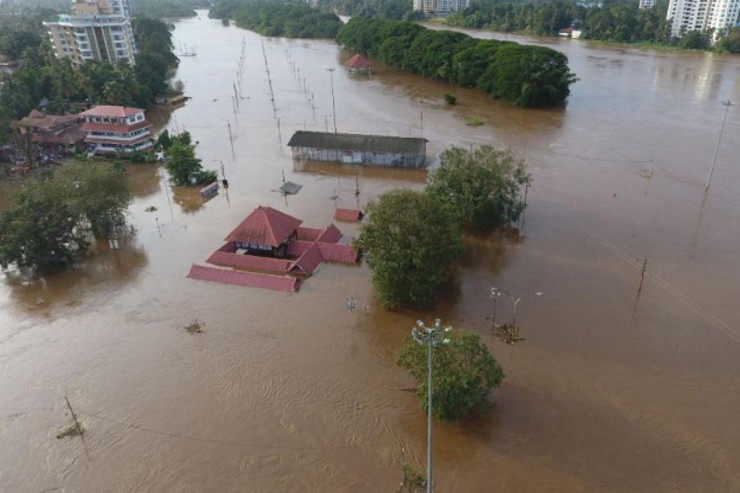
(333, 104)
(431, 336)
(727, 105)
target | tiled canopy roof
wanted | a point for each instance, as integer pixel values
(114, 111)
(265, 226)
(357, 61)
(358, 142)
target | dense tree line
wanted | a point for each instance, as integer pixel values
(529, 76)
(159, 9)
(290, 19)
(41, 75)
(621, 22)
(385, 9)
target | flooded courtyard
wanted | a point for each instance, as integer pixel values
(291, 392)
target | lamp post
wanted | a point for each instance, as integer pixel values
(727, 105)
(333, 104)
(431, 336)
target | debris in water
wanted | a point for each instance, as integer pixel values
(290, 188)
(195, 327)
(70, 431)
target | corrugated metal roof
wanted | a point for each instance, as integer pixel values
(358, 142)
(241, 278)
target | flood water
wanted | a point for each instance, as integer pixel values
(290, 392)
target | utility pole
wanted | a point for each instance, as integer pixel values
(431, 336)
(333, 104)
(727, 105)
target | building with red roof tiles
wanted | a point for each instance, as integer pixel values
(266, 231)
(112, 129)
(51, 129)
(241, 278)
(348, 215)
(358, 64)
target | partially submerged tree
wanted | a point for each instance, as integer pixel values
(183, 166)
(463, 373)
(50, 226)
(484, 185)
(409, 240)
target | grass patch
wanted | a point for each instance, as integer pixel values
(195, 327)
(476, 121)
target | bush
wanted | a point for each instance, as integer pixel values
(450, 99)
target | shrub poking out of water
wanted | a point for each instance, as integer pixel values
(195, 327)
(151, 208)
(413, 481)
(450, 99)
(476, 121)
(70, 431)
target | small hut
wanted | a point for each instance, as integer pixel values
(266, 231)
(358, 64)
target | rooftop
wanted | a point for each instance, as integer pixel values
(265, 226)
(114, 111)
(357, 62)
(358, 142)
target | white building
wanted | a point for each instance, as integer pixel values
(646, 4)
(702, 15)
(96, 30)
(439, 7)
(113, 129)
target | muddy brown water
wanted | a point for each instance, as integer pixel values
(290, 392)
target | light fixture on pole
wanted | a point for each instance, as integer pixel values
(333, 104)
(431, 336)
(727, 105)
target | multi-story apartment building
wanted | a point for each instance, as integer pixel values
(114, 129)
(439, 7)
(96, 30)
(702, 15)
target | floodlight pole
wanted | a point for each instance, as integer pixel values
(333, 104)
(727, 105)
(431, 336)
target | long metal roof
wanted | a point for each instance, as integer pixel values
(358, 142)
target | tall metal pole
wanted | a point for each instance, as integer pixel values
(333, 104)
(431, 336)
(430, 446)
(727, 105)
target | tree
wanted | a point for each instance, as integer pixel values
(410, 242)
(483, 184)
(184, 167)
(49, 227)
(463, 373)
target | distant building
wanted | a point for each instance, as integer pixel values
(377, 150)
(647, 4)
(358, 64)
(96, 30)
(439, 7)
(63, 130)
(702, 15)
(117, 129)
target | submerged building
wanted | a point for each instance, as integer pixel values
(96, 30)
(374, 150)
(113, 129)
(439, 7)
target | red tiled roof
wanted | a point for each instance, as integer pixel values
(113, 127)
(67, 137)
(241, 278)
(310, 259)
(308, 234)
(253, 262)
(35, 114)
(265, 226)
(344, 254)
(357, 61)
(330, 235)
(348, 215)
(114, 111)
(296, 248)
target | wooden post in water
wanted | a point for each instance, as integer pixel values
(74, 416)
(642, 276)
